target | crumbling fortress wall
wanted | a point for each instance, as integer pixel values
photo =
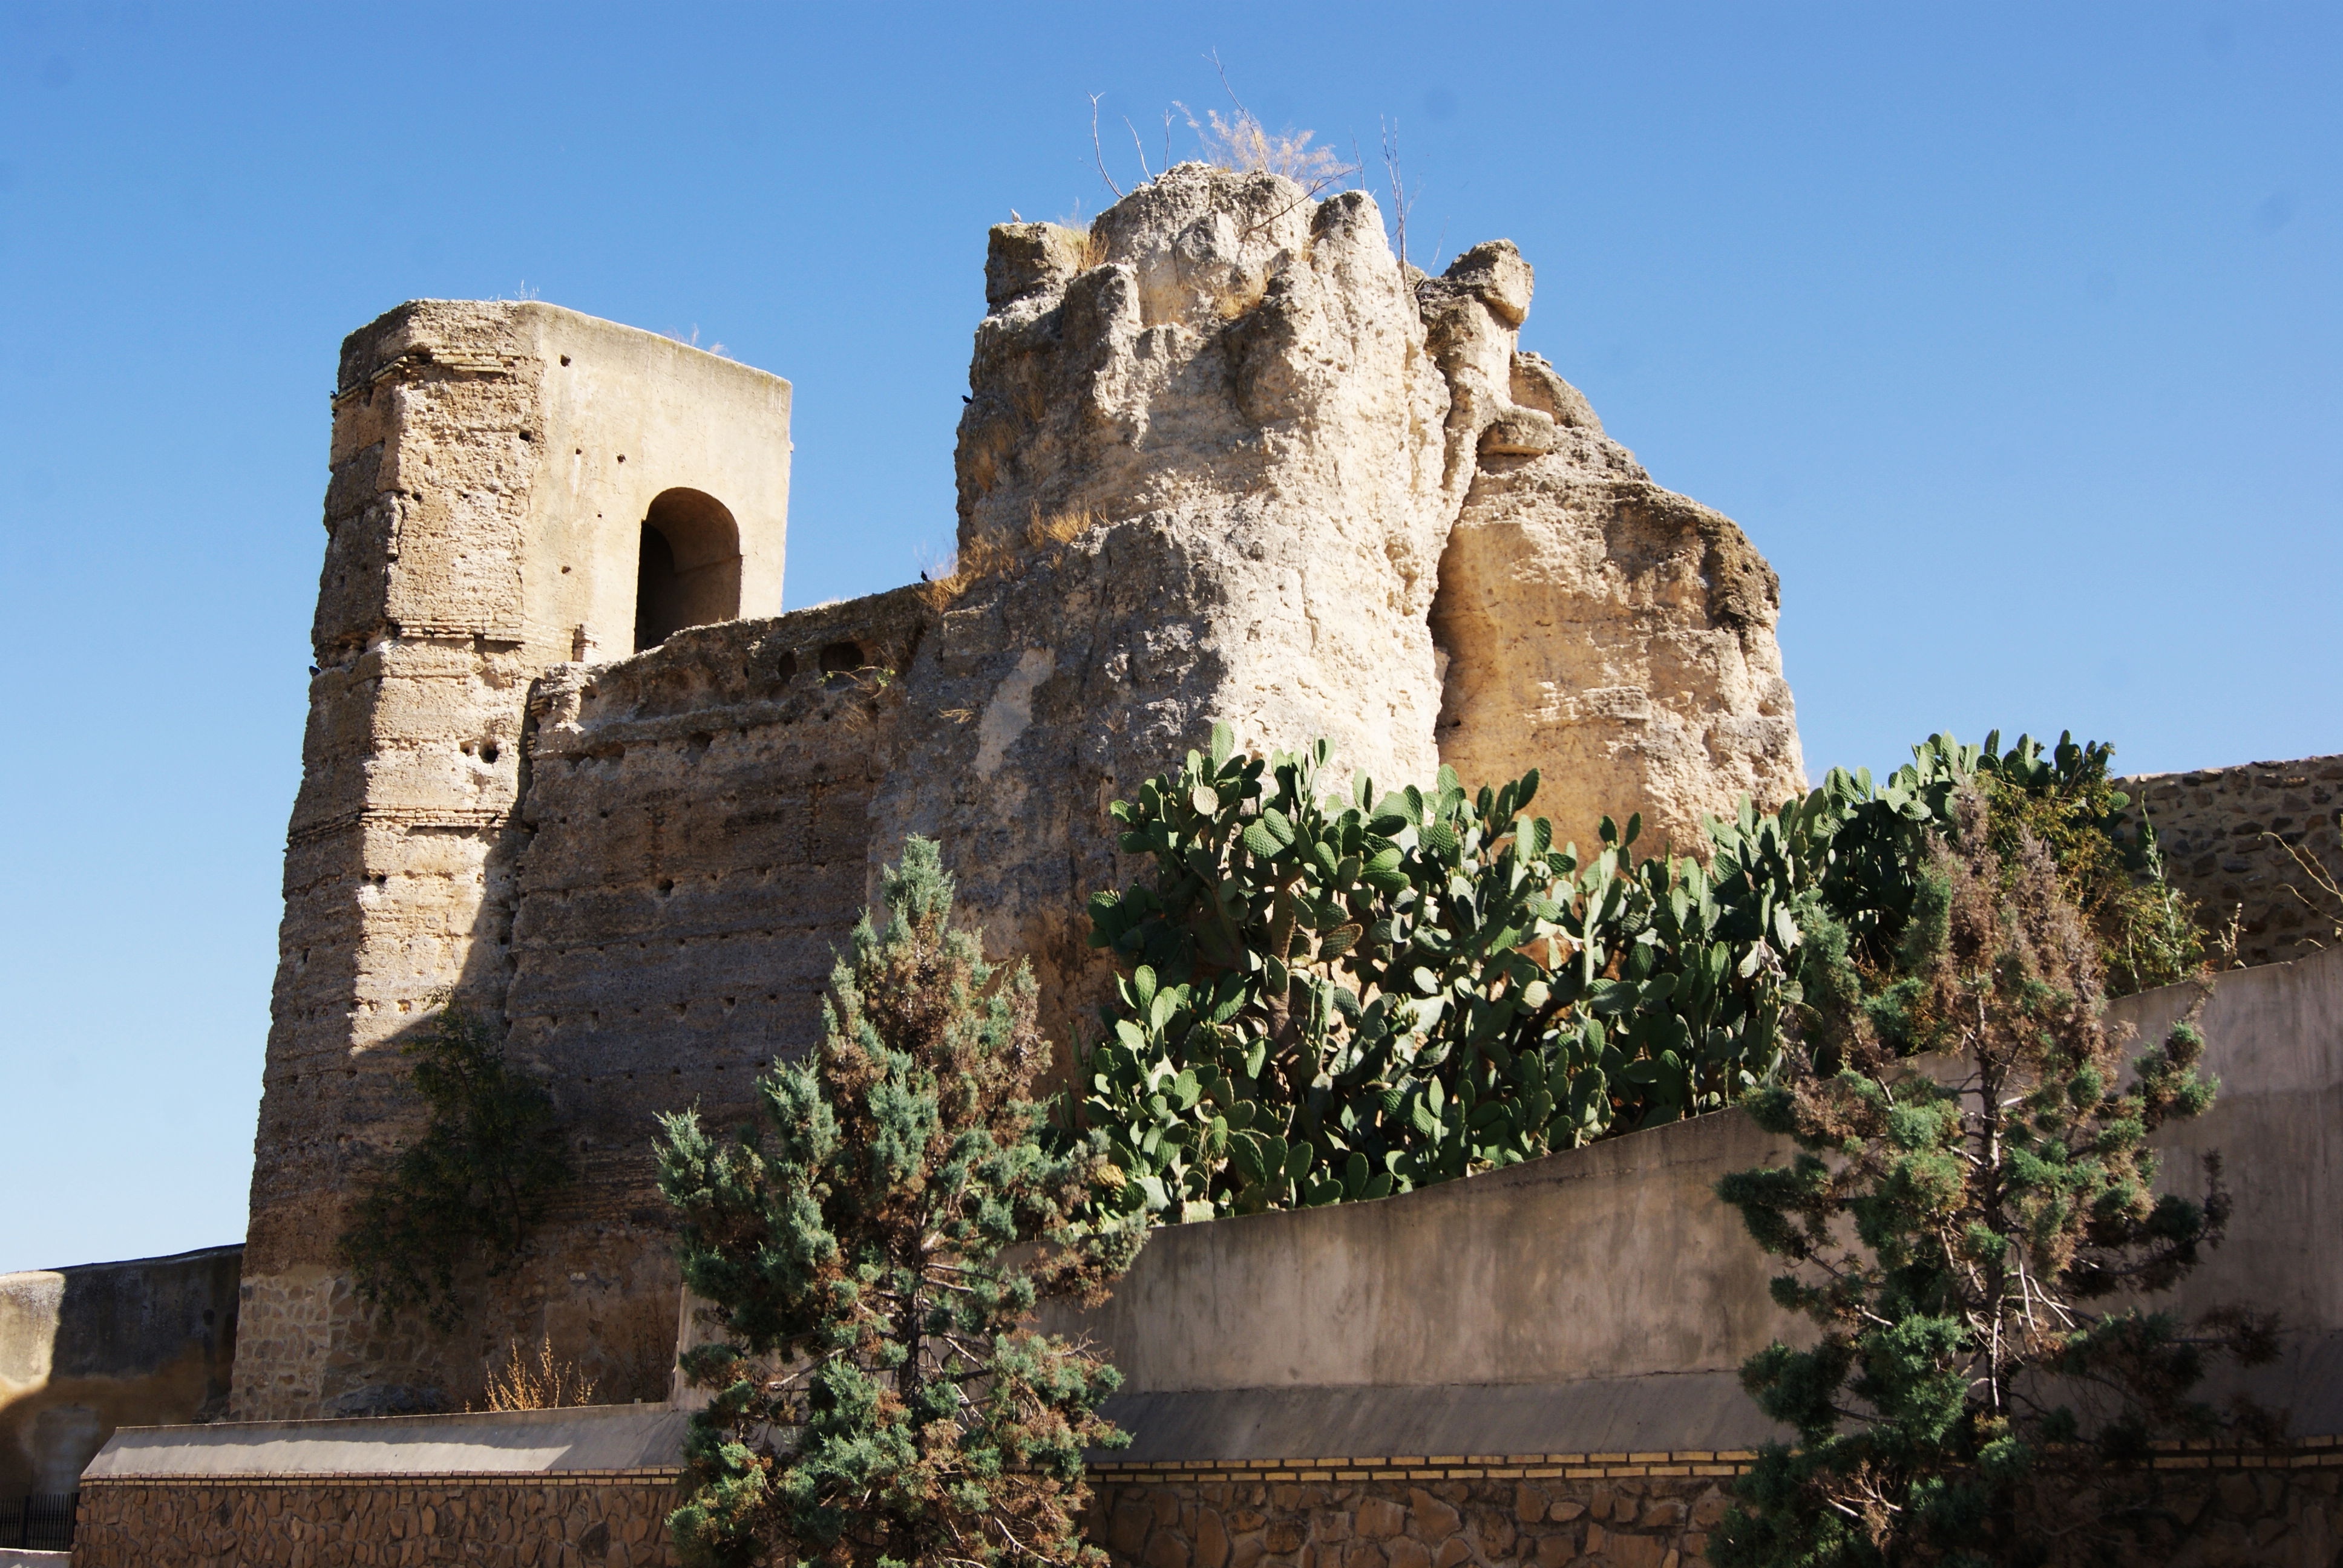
(500, 474)
(1225, 458)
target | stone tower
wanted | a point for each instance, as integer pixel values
(515, 488)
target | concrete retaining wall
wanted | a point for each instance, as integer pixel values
(1603, 1299)
(551, 1487)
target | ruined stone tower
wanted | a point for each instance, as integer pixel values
(515, 488)
(1223, 458)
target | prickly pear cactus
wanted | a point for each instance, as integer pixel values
(1335, 998)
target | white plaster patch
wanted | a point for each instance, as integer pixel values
(1011, 710)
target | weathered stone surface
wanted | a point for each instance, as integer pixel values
(2230, 838)
(2285, 1510)
(1223, 458)
(616, 1521)
(493, 469)
(1207, 477)
(1614, 636)
(1217, 473)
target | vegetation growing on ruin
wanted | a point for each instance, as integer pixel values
(2147, 933)
(535, 1380)
(1323, 999)
(1332, 999)
(489, 1159)
(1973, 1398)
(878, 1395)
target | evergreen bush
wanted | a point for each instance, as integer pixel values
(1968, 1244)
(878, 1396)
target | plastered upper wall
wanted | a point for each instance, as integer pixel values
(85, 1350)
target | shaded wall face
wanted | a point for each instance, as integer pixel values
(85, 1350)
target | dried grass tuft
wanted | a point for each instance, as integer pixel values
(539, 1382)
(995, 552)
(1242, 143)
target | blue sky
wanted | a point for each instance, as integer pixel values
(2010, 334)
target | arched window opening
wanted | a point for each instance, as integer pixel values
(690, 571)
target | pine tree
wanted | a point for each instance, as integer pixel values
(880, 1398)
(1974, 1397)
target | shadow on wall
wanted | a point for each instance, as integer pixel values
(85, 1350)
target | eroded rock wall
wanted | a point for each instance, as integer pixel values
(1217, 460)
(1201, 477)
(1613, 634)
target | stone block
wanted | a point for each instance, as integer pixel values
(1379, 1518)
(1429, 1520)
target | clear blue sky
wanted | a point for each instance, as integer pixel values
(2009, 332)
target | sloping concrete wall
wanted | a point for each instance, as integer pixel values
(1603, 1299)
(85, 1350)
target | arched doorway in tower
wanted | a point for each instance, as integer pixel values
(690, 570)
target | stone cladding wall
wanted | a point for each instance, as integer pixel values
(1640, 1510)
(2212, 824)
(2278, 1507)
(604, 1520)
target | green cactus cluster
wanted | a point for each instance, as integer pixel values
(1327, 998)
(1335, 998)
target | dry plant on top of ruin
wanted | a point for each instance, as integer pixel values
(997, 552)
(1244, 144)
(1240, 142)
(539, 1382)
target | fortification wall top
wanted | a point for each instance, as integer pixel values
(2225, 833)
